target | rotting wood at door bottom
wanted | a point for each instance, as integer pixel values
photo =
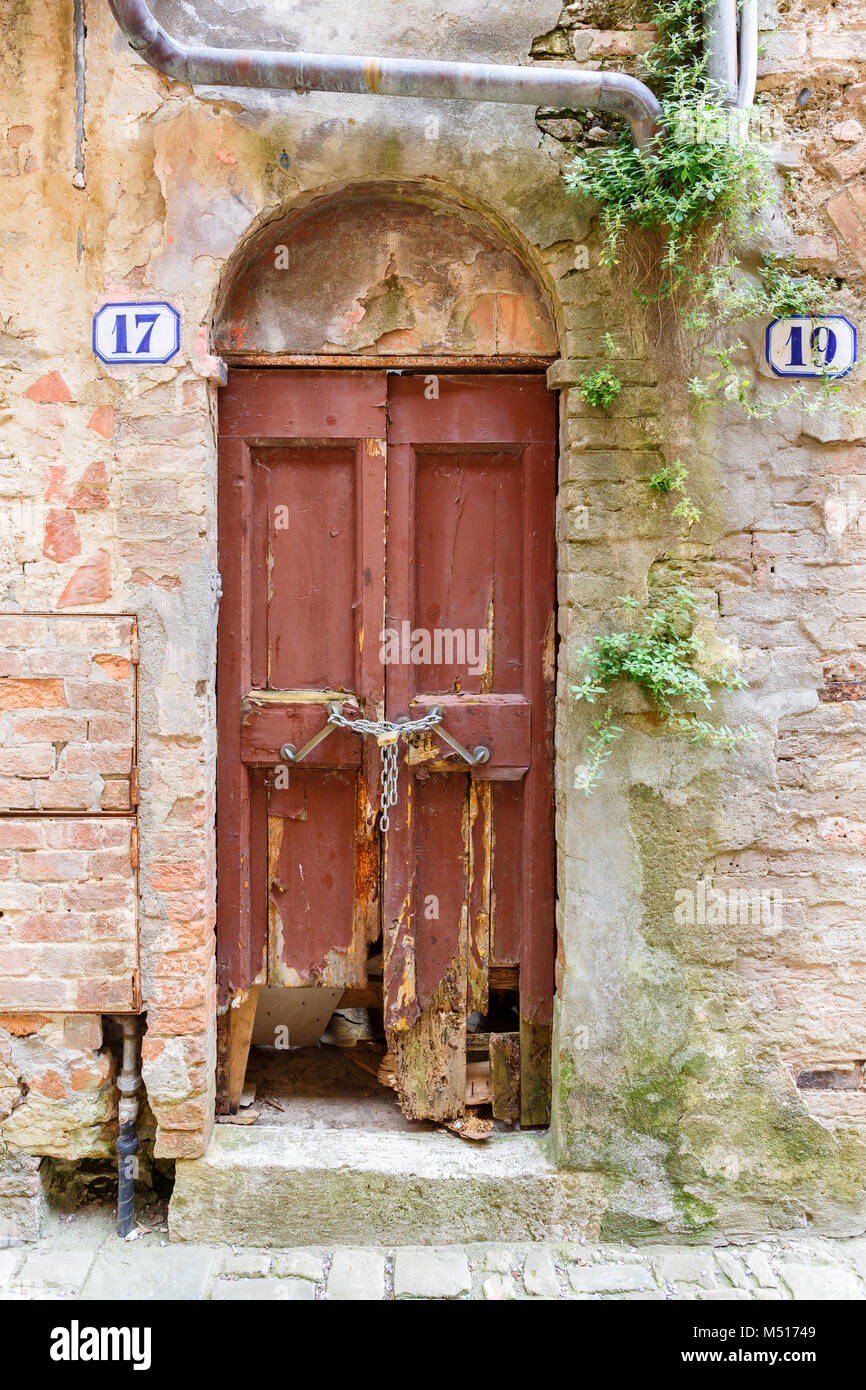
(430, 1058)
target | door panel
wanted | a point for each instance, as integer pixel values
(468, 566)
(481, 565)
(313, 933)
(303, 466)
(306, 529)
(462, 884)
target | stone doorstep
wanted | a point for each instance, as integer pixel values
(276, 1186)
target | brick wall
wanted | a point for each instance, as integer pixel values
(68, 938)
(61, 1097)
(68, 899)
(67, 713)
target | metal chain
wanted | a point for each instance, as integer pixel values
(387, 734)
(388, 778)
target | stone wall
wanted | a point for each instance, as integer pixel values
(679, 1044)
(684, 1034)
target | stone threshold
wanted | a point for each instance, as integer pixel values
(278, 1186)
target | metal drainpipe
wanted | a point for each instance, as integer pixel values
(748, 52)
(397, 77)
(128, 1082)
(721, 25)
(720, 18)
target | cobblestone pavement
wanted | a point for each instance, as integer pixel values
(81, 1258)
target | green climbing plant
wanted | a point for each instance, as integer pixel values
(600, 388)
(692, 198)
(658, 653)
(699, 191)
(674, 478)
(694, 180)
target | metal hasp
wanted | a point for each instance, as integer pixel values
(478, 755)
(290, 754)
(396, 77)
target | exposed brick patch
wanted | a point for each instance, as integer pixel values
(102, 421)
(115, 667)
(842, 690)
(850, 219)
(49, 389)
(91, 583)
(90, 494)
(68, 931)
(31, 694)
(20, 1025)
(62, 537)
(67, 722)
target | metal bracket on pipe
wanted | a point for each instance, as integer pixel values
(290, 754)
(478, 755)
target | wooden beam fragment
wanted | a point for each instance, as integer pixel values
(505, 1076)
(534, 1073)
(239, 1023)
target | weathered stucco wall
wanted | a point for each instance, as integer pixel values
(678, 1045)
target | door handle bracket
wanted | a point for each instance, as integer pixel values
(290, 754)
(478, 755)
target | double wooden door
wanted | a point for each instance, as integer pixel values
(387, 543)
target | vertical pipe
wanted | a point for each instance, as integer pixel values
(720, 19)
(78, 39)
(128, 1082)
(748, 52)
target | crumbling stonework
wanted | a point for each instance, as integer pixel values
(61, 1099)
(20, 1196)
(679, 1043)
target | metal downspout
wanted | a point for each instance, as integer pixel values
(400, 77)
(128, 1082)
(721, 24)
(748, 52)
(734, 79)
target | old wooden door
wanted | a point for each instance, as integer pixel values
(387, 541)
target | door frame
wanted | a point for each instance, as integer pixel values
(236, 1005)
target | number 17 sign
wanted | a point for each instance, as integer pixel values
(148, 332)
(820, 345)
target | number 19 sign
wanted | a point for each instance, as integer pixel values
(821, 345)
(147, 332)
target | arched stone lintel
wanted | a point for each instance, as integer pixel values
(380, 269)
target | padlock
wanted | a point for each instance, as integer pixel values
(384, 739)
